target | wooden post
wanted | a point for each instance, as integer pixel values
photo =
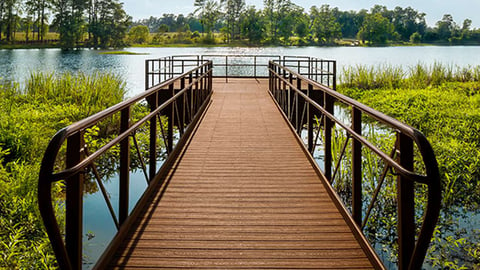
(328, 125)
(357, 167)
(74, 202)
(124, 167)
(406, 205)
(153, 102)
(310, 116)
(171, 119)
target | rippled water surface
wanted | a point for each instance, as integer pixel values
(17, 64)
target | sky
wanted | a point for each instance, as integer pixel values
(459, 9)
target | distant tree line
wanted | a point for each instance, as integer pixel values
(104, 23)
(94, 23)
(283, 22)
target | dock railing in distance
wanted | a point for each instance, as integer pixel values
(146, 132)
(339, 126)
(165, 68)
(320, 70)
(239, 66)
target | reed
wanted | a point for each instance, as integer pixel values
(418, 76)
(29, 116)
(442, 101)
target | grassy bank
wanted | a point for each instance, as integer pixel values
(195, 39)
(29, 117)
(444, 103)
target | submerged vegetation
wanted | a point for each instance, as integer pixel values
(443, 102)
(29, 117)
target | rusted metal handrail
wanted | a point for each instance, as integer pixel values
(181, 100)
(290, 89)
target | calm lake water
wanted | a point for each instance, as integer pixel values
(16, 65)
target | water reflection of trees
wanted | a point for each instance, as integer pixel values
(107, 166)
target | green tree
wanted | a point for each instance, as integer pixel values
(416, 38)
(11, 9)
(277, 15)
(39, 8)
(200, 11)
(27, 24)
(139, 34)
(233, 13)
(253, 25)
(376, 29)
(466, 31)
(446, 28)
(163, 28)
(324, 24)
(302, 27)
(408, 21)
(211, 14)
(69, 21)
(290, 16)
(109, 24)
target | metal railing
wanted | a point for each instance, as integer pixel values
(310, 107)
(163, 69)
(240, 66)
(172, 110)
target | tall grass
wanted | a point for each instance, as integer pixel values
(418, 76)
(94, 91)
(29, 116)
(443, 102)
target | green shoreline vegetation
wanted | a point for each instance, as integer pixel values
(443, 102)
(29, 117)
(89, 24)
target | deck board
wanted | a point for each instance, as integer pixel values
(243, 196)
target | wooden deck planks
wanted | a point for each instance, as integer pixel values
(244, 196)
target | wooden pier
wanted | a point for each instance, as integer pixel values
(244, 195)
(232, 183)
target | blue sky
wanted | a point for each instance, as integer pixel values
(459, 9)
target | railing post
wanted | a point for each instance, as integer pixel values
(310, 120)
(283, 87)
(153, 102)
(183, 110)
(297, 120)
(194, 100)
(147, 74)
(171, 119)
(74, 202)
(406, 205)
(124, 166)
(290, 103)
(334, 75)
(328, 125)
(357, 167)
(270, 77)
(210, 77)
(226, 68)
